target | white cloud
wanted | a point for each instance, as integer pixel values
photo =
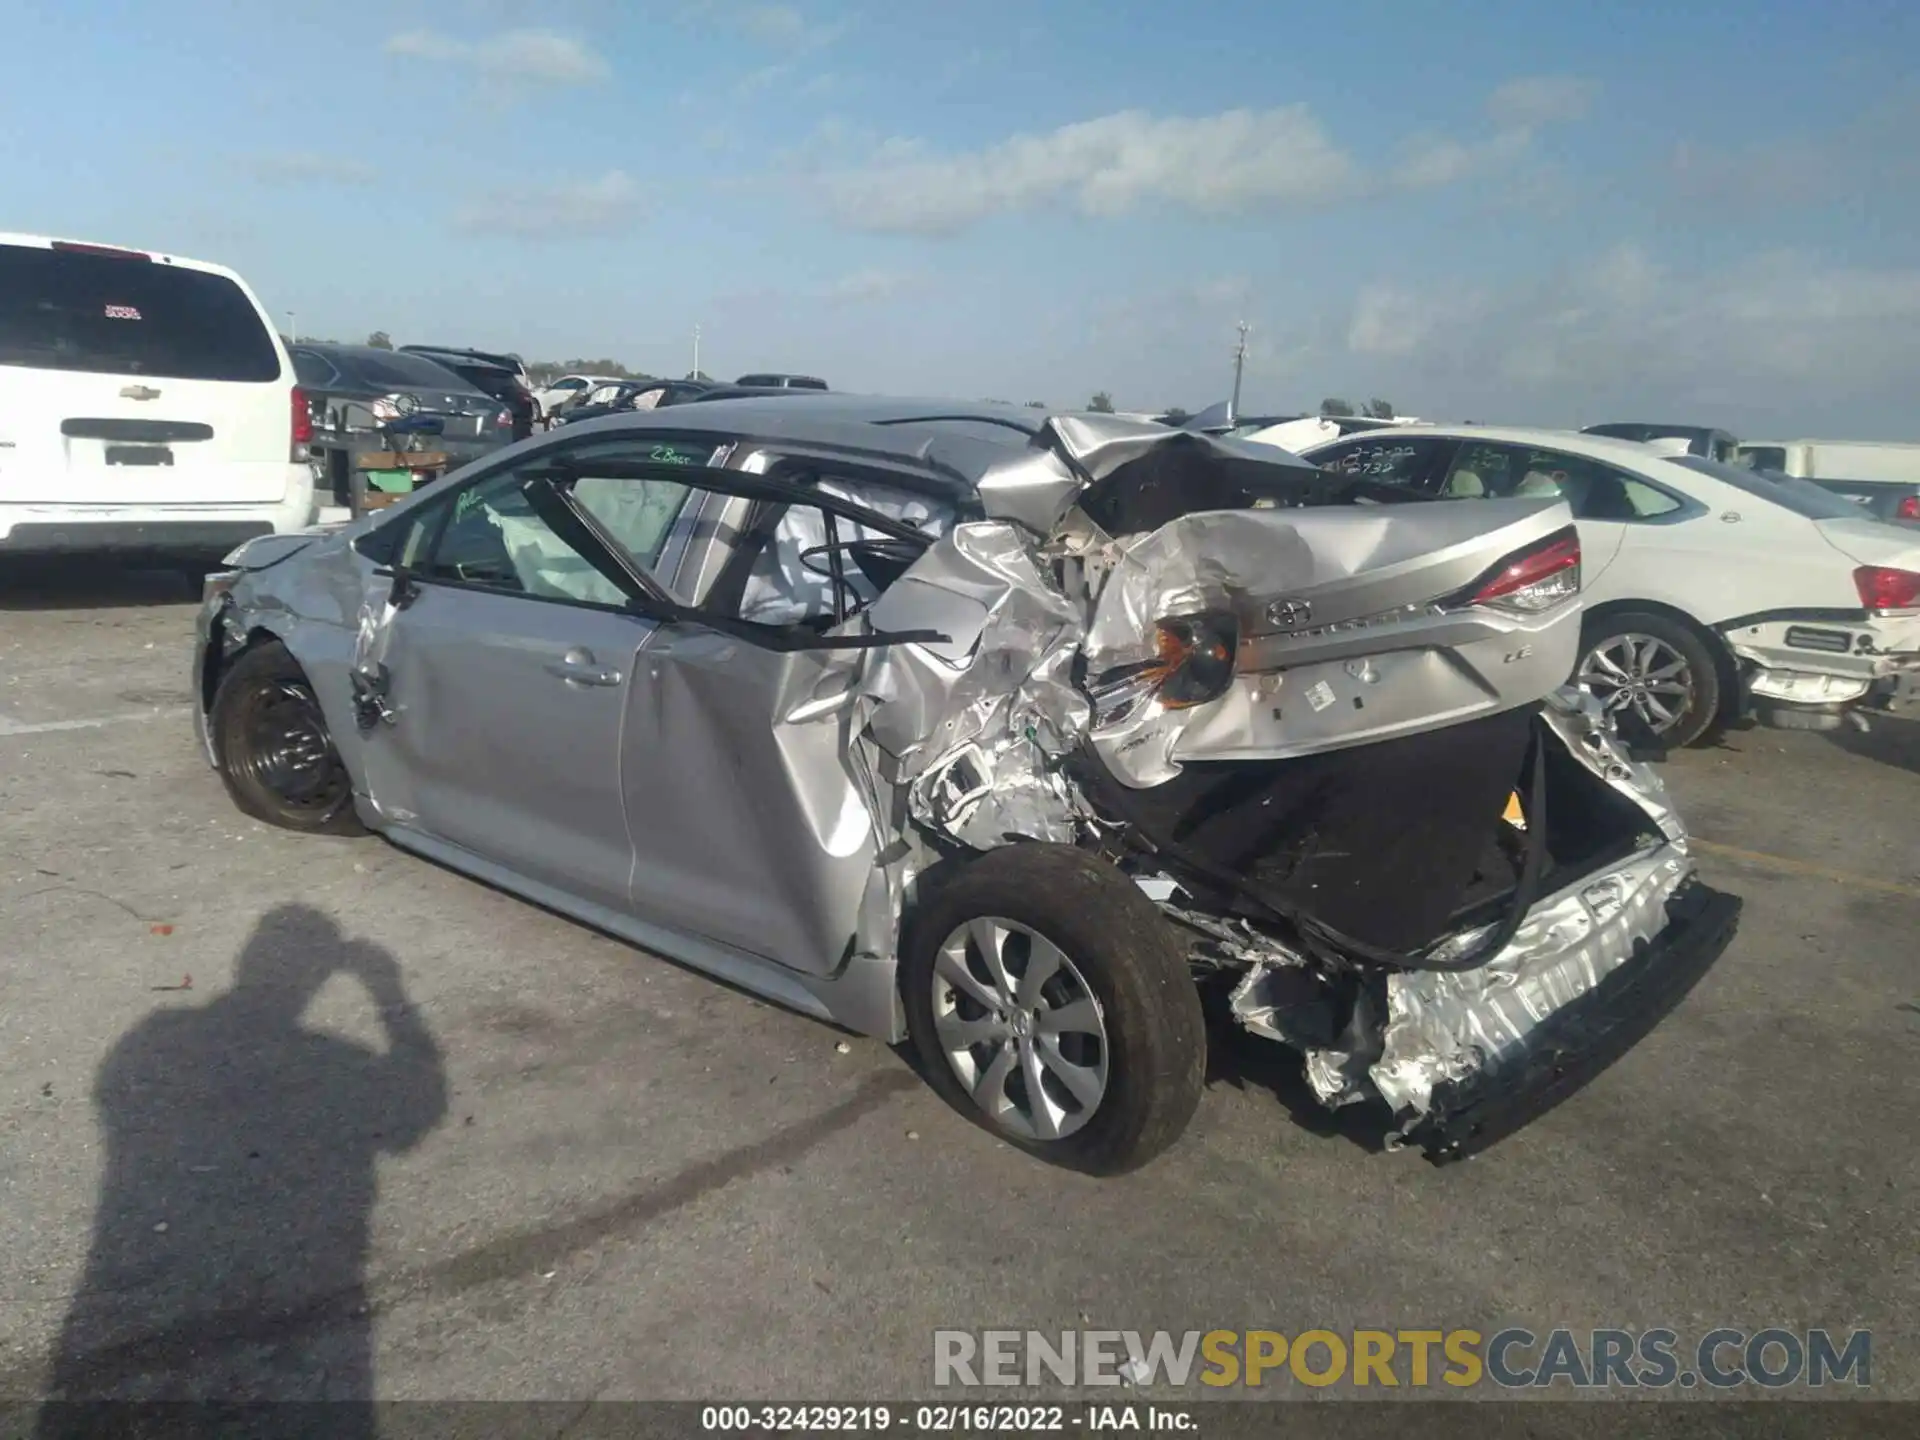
(774, 24)
(1775, 340)
(1870, 161)
(1435, 161)
(1391, 320)
(868, 286)
(511, 58)
(308, 168)
(1224, 163)
(569, 209)
(782, 27)
(1535, 100)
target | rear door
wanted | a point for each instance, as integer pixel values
(127, 380)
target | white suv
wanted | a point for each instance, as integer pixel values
(146, 405)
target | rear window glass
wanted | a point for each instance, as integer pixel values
(407, 372)
(62, 310)
(1762, 457)
(1802, 497)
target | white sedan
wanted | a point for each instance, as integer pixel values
(565, 389)
(1711, 591)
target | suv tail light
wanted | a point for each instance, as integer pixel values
(1532, 580)
(301, 417)
(1909, 507)
(1883, 588)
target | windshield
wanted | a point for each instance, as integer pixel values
(65, 310)
(1800, 496)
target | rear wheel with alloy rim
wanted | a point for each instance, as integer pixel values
(1051, 1002)
(1654, 675)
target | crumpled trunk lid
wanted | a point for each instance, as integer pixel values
(1350, 622)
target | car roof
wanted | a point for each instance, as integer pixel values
(1574, 442)
(491, 359)
(1654, 431)
(355, 355)
(179, 262)
(961, 438)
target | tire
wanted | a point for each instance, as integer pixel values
(1641, 647)
(1142, 1037)
(275, 754)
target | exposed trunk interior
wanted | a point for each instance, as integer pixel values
(1395, 844)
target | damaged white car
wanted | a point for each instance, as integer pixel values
(1006, 731)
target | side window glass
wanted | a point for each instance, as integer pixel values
(1480, 471)
(816, 569)
(493, 539)
(1593, 491)
(1646, 501)
(416, 541)
(1388, 462)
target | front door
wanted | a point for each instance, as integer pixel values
(508, 674)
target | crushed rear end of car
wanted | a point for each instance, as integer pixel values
(1325, 729)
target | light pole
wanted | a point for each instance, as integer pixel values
(1239, 363)
(696, 352)
(293, 329)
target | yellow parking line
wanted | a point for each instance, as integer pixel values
(1801, 867)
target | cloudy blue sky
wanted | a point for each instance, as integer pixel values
(1477, 209)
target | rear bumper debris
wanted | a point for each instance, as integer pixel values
(1577, 1042)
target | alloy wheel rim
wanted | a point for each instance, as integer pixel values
(1642, 676)
(1020, 1027)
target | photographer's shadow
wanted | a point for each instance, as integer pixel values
(230, 1244)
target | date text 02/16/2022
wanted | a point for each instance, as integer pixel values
(944, 1419)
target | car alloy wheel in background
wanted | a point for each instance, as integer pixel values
(1641, 675)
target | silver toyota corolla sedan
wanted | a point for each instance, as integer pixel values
(1008, 731)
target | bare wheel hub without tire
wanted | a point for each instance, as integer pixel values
(1020, 1027)
(1640, 675)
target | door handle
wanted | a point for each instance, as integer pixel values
(578, 667)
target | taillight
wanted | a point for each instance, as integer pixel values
(1535, 579)
(502, 419)
(1194, 665)
(1196, 658)
(302, 424)
(1883, 588)
(1909, 507)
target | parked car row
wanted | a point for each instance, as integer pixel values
(599, 397)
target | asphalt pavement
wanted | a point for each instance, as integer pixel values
(383, 1129)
